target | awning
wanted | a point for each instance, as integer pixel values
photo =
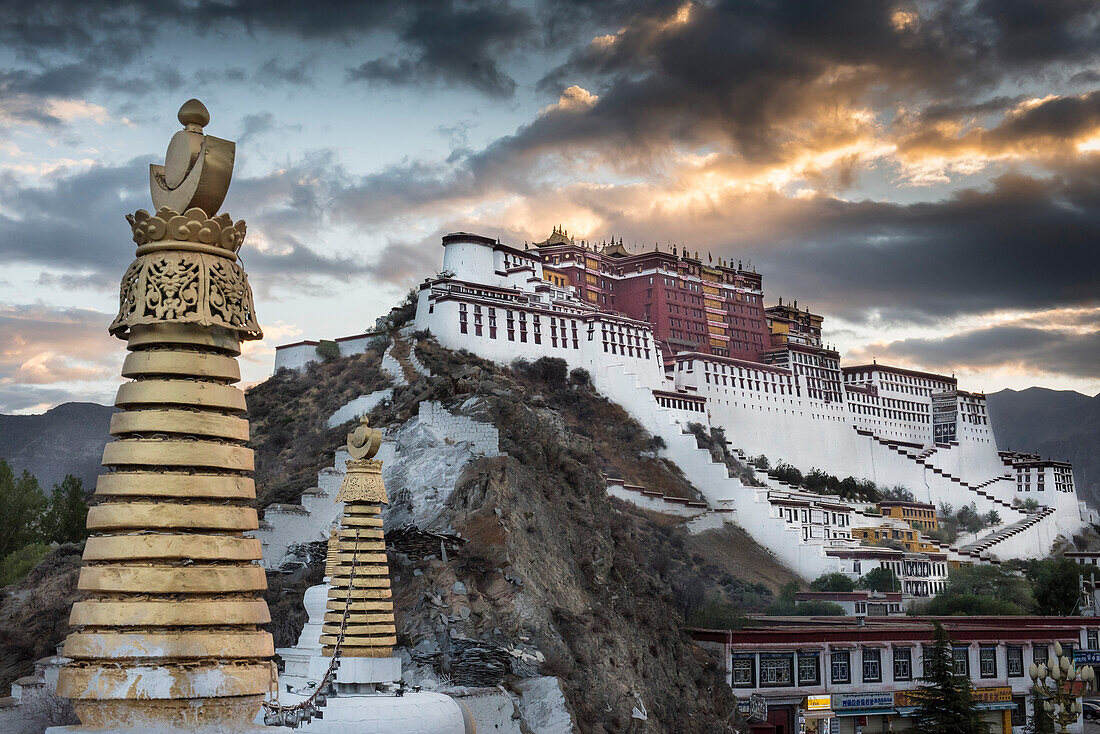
(867, 712)
(999, 706)
(817, 714)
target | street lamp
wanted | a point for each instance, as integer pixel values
(1059, 683)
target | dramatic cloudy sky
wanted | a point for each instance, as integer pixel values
(925, 174)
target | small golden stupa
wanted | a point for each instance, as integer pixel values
(169, 635)
(356, 563)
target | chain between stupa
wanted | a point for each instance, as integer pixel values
(169, 636)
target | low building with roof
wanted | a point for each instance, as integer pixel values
(859, 673)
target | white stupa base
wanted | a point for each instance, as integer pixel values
(413, 713)
(252, 729)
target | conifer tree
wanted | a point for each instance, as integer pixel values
(66, 516)
(21, 506)
(946, 702)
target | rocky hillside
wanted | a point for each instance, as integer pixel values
(551, 564)
(68, 439)
(594, 591)
(1058, 424)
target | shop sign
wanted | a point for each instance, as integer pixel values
(758, 708)
(907, 698)
(818, 703)
(997, 694)
(753, 708)
(1086, 657)
(856, 701)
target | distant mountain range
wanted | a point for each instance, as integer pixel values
(68, 439)
(1058, 424)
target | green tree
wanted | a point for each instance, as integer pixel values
(1056, 585)
(818, 608)
(66, 516)
(945, 700)
(22, 503)
(328, 350)
(835, 581)
(970, 605)
(880, 579)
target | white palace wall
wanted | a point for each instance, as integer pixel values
(491, 301)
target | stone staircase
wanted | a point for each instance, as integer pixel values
(985, 543)
(725, 494)
(922, 459)
(983, 547)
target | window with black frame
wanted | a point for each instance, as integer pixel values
(776, 670)
(1015, 659)
(903, 663)
(962, 660)
(840, 666)
(872, 665)
(1039, 654)
(744, 671)
(1091, 636)
(987, 662)
(1019, 711)
(809, 672)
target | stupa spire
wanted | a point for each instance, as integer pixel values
(169, 635)
(360, 542)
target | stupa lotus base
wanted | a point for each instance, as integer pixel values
(228, 715)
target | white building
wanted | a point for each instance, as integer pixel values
(890, 425)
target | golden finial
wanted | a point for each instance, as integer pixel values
(197, 167)
(363, 441)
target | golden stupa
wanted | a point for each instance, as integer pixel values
(169, 635)
(356, 563)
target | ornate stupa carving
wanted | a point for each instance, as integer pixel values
(169, 635)
(360, 543)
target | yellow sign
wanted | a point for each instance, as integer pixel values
(995, 694)
(816, 703)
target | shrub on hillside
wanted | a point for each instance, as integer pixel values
(328, 350)
(835, 581)
(18, 563)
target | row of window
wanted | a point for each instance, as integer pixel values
(780, 669)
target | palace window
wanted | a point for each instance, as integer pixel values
(872, 666)
(1015, 657)
(962, 660)
(744, 671)
(776, 670)
(1091, 638)
(462, 318)
(903, 663)
(809, 672)
(987, 662)
(840, 667)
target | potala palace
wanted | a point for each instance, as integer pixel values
(677, 341)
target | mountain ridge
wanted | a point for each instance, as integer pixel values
(66, 439)
(1063, 425)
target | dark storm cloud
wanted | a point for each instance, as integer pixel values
(1049, 351)
(452, 42)
(1025, 244)
(75, 225)
(739, 71)
(72, 46)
